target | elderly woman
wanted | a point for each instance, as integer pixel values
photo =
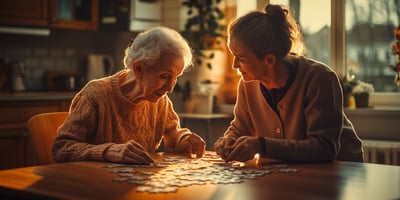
(124, 117)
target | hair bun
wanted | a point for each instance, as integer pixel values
(275, 12)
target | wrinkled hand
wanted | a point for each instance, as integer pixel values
(129, 152)
(223, 146)
(192, 144)
(244, 149)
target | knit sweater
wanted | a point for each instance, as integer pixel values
(100, 115)
(309, 124)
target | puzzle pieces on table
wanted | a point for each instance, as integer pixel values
(177, 171)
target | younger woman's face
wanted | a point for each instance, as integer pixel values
(159, 79)
(246, 62)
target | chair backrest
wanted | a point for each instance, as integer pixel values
(43, 129)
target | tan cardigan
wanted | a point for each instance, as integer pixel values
(310, 125)
(101, 116)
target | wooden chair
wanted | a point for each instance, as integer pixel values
(43, 129)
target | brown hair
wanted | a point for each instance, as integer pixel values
(273, 31)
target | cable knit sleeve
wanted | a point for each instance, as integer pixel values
(72, 141)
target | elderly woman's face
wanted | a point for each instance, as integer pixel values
(159, 79)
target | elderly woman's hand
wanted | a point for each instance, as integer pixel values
(130, 152)
(192, 144)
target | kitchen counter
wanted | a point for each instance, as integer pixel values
(15, 111)
(33, 96)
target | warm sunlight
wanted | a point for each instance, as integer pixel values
(312, 19)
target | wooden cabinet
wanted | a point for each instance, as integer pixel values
(67, 14)
(82, 15)
(22, 12)
(15, 145)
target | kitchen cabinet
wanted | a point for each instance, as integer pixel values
(26, 13)
(83, 15)
(66, 14)
(15, 111)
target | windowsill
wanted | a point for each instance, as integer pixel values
(376, 123)
(374, 108)
(385, 100)
(381, 113)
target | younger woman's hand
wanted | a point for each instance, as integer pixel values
(223, 146)
(129, 152)
(244, 149)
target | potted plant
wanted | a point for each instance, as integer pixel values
(361, 92)
(205, 32)
(347, 82)
(204, 29)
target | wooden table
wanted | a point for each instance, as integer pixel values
(90, 180)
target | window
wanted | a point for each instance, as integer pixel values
(361, 44)
(315, 25)
(370, 29)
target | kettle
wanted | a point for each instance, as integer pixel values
(99, 65)
(17, 74)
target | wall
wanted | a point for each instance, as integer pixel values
(381, 120)
(172, 13)
(63, 50)
(376, 123)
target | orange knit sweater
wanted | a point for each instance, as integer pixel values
(100, 116)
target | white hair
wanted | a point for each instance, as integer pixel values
(149, 45)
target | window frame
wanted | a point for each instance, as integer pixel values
(337, 54)
(337, 58)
